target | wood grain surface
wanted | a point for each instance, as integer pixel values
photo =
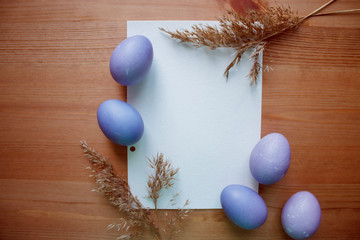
(54, 74)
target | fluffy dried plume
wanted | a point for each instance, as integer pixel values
(240, 32)
(162, 178)
(135, 217)
(250, 31)
(116, 189)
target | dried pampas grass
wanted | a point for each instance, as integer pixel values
(252, 30)
(163, 223)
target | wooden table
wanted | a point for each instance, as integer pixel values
(54, 74)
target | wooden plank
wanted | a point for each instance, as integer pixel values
(54, 74)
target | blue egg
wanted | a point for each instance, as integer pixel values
(270, 158)
(120, 122)
(301, 215)
(131, 60)
(243, 206)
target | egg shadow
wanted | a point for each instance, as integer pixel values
(119, 158)
(119, 153)
(149, 82)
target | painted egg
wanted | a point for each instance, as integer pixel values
(243, 206)
(270, 158)
(301, 215)
(120, 122)
(131, 60)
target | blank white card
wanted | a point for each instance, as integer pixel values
(204, 124)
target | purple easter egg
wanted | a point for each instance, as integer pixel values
(120, 122)
(270, 158)
(243, 206)
(131, 60)
(301, 215)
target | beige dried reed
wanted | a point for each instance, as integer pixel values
(163, 177)
(250, 31)
(135, 217)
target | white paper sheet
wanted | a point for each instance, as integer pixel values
(204, 125)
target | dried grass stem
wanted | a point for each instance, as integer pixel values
(252, 30)
(135, 216)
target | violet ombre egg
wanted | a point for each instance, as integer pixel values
(131, 60)
(243, 206)
(270, 158)
(301, 215)
(120, 122)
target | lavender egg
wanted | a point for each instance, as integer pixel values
(243, 206)
(301, 215)
(131, 60)
(120, 122)
(270, 158)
